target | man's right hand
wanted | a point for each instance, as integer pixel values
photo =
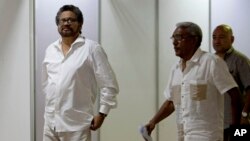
(150, 127)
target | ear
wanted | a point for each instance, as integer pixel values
(196, 41)
(232, 39)
(80, 30)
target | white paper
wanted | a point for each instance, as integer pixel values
(144, 133)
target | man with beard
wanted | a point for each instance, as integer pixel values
(75, 71)
(195, 89)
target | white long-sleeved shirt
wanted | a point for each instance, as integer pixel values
(71, 84)
(197, 93)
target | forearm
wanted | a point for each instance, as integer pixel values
(235, 114)
(166, 109)
(246, 107)
(235, 105)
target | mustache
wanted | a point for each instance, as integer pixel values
(67, 27)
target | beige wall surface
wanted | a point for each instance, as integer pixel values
(128, 36)
(15, 72)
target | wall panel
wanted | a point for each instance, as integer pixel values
(128, 36)
(15, 73)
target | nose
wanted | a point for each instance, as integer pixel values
(175, 42)
(66, 23)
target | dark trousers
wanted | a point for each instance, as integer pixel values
(227, 134)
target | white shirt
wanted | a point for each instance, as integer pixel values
(197, 96)
(71, 84)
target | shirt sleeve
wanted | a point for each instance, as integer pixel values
(168, 90)
(222, 78)
(106, 80)
(244, 72)
(44, 75)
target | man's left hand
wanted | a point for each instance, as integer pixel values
(97, 122)
(244, 121)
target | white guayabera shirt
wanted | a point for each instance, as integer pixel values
(71, 84)
(197, 96)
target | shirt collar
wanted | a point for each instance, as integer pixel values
(229, 51)
(79, 40)
(196, 55)
(195, 58)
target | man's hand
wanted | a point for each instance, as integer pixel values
(97, 122)
(244, 121)
(150, 127)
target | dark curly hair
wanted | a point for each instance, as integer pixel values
(73, 9)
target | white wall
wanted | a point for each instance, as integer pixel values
(128, 36)
(15, 72)
(235, 13)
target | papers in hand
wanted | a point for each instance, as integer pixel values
(144, 133)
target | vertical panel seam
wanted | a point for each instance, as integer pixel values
(100, 41)
(32, 70)
(209, 27)
(157, 62)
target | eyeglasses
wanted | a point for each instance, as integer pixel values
(68, 21)
(179, 37)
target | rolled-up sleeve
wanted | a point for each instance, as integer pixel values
(106, 80)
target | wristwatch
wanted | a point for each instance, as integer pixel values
(244, 114)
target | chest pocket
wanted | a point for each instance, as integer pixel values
(198, 90)
(176, 90)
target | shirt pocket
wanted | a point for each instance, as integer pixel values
(176, 91)
(198, 90)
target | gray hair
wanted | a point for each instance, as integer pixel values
(193, 29)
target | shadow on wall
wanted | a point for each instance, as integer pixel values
(9, 10)
(8, 13)
(129, 17)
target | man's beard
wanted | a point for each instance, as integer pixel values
(68, 32)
